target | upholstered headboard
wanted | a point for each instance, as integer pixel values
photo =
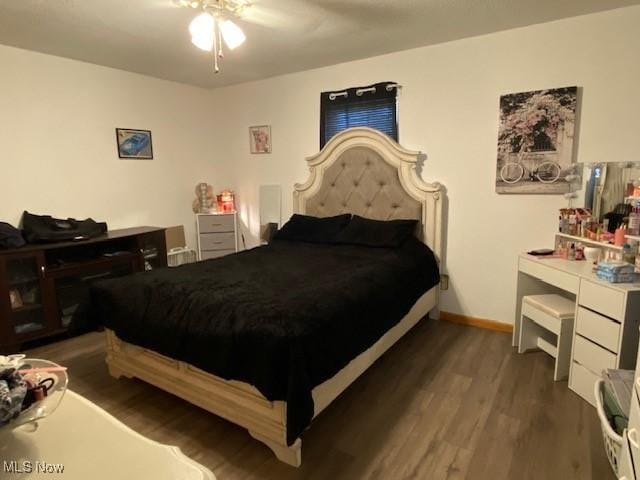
(363, 171)
(360, 181)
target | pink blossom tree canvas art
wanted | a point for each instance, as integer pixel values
(536, 141)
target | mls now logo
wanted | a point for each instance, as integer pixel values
(32, 467)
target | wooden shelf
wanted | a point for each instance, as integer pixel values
(82, 267)
(586, 241)
(633, 237)
(23, 281)
(26, 308)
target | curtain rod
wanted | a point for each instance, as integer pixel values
(361, 91)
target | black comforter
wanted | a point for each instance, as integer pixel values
(284, 317)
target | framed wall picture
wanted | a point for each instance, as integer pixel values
(260, 139)
(134, 144)
(536, 141)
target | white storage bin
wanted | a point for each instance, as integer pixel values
(612, 441)
(180, 255)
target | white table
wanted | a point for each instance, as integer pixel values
(90, 444)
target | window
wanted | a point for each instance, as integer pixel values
(374, 106)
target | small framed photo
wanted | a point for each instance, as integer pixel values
(15, 298)
(260, 139)
(134, 144)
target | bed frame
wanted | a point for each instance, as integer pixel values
(360, 171)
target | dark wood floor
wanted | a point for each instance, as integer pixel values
(446, 402)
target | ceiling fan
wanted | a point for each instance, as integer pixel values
(214, 24)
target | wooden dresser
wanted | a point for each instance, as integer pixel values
(217, 234)
(42, 286)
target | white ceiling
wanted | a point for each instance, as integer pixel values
(151, 37)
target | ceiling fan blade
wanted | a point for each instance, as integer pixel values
(282, 15)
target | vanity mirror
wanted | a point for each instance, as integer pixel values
(610, 189)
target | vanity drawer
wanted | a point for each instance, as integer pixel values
(602, 330)
(550, 275)
(216, 223)
(602, 299)
(582, 382)
(592, 356)
(208, 255)
(218, 241)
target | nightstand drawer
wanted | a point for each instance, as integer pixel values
(218, 241)
(602, 330)
(592, 356)
(216, 223)
(602, 299)
(208, 255)
(550, 275)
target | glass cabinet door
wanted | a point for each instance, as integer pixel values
(25, 294)
(153, 248)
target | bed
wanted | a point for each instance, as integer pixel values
(269, 321)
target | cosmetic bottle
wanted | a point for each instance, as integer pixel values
(634, 221)
(572, 252)
(627, 254)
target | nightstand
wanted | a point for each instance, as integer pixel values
(217, 234)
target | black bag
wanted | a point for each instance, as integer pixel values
(10, 237)
(44, 228)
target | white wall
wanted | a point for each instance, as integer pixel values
(58, 150)
(449, 109)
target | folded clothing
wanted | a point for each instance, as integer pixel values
(615, 271)
(615, 266)
(620, 383)
(617, 419)
(615, 277)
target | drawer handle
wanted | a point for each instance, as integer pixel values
(632, 435)
(638, 382)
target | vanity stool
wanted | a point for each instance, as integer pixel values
(547, 324)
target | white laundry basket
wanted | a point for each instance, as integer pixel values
(180, 255)
(612, 441)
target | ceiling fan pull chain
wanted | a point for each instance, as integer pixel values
(220, 53)
(216, 67)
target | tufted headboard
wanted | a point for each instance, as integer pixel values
(364, 172)
(360, 181)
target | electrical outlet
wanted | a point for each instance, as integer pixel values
(444, 282)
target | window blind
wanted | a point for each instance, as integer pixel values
(374, 106)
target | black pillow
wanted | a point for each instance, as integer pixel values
(377, 233)
(304, 228)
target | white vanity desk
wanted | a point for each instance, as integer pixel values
(606, 319)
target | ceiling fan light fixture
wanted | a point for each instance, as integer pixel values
(213, 27)
(232, 34)
(202, 30)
